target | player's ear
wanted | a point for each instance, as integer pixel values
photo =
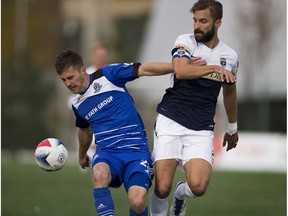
(218, 23)
(83, 71)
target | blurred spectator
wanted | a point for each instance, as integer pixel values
(100, 56)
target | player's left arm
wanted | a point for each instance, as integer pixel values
(230, 103)
(155, 69)
(162, 68)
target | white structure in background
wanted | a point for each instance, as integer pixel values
(262, 152)
(255, 152)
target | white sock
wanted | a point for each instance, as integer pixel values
(158, 207)
(182, 191)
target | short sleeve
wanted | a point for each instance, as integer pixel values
(80, 122)
(119, 74)
(183, 46)
(235, 68)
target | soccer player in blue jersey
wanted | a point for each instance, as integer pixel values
(184, 126)
(104, 108)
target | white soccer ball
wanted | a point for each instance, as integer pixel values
(51, 154)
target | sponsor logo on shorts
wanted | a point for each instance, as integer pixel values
(146, 165)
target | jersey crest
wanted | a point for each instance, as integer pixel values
(97, 87)
(223, 62)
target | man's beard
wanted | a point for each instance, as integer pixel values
(205, 37)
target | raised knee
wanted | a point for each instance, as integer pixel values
(101, 178)
(137, 203)
(163, 192)
(198, 189)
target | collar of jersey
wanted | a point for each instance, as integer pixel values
(90, 82)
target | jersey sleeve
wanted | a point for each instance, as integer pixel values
(182, 47)
(80, 122)
(235, 67)
(120, 74)
(230, 61)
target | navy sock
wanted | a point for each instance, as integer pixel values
(145, 213)
(103, 201)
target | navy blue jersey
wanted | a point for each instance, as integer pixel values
(192, 103)
(107, 107)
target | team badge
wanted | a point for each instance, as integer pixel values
(223, 62)
(97, 87)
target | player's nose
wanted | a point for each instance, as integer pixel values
(196, 25)
(68, 83)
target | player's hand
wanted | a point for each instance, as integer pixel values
(225, 75)
(230, 140)
(84, 161)
(198, 61)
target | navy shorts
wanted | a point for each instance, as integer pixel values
(124, 164)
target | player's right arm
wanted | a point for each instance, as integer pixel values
(85, 136)
(185, 70)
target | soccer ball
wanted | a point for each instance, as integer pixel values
(51, 154)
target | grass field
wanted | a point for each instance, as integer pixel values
(27, 190)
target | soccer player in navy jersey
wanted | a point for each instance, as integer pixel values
(184, 125)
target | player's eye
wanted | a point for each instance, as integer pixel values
(203, 21)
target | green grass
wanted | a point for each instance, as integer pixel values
(27, 190)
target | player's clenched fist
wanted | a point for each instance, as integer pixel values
(230, 140)
(84, 161)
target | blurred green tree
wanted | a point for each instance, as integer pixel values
(31, 38)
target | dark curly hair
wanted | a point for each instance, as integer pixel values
(216, 8)
(66, 59)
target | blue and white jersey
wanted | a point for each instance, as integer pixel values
(107, 107)
(192, 103)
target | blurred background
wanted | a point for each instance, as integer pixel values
(34, 102)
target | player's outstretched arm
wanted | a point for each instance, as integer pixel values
(85, 139)
(230, 103)
(155, 69)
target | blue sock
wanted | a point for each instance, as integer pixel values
(145, 213)
(103, 201)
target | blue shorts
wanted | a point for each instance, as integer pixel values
(126, 164)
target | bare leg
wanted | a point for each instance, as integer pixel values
(198, 173)
(164, 175)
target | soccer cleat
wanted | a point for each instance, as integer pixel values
(178, 207)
